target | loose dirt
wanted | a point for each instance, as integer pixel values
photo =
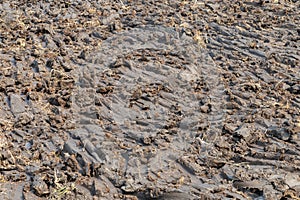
(149, 100)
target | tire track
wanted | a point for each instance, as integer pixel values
(153, 91)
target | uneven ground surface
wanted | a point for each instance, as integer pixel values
(150, 100)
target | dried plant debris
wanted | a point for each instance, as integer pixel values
(149, 99)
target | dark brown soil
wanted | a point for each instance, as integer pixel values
(150, 99)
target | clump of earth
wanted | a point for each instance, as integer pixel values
(149, 100)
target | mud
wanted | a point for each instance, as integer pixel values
(149, 100)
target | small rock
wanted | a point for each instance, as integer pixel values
(17, 104)
(244, 131)
(205, 108)
(280, 133)
(40, 186)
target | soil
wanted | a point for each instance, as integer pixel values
(150, 99)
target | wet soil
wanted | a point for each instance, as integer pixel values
(150, 100)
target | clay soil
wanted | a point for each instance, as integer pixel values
(174, 99)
